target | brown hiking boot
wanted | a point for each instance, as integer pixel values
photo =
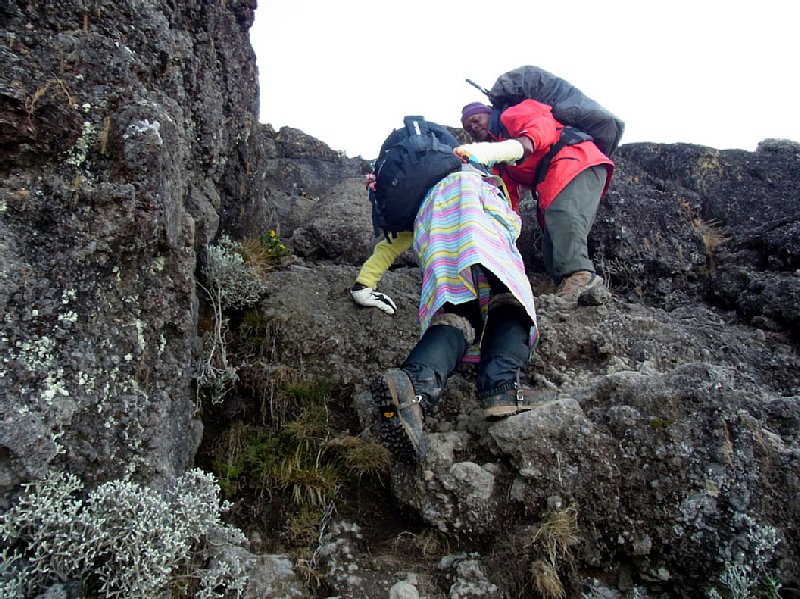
(520, 398)
(578, 283)
(400, 415)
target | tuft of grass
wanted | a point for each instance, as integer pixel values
(311, 428)
(252, 333)
(429, 543)
(308, 574)
(243, 453)
(309, 482)
(287, 462)
(558, 532)
(546, 580)
(310, 392)
(361, 458)
(713, 236)
(302, 529)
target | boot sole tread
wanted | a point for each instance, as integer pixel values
(394, 434)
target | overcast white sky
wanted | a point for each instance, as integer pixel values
(712, 72)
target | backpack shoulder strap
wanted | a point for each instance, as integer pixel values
(569, 137)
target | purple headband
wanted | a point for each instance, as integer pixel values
(474, 108)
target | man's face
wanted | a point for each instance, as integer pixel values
(477, 126)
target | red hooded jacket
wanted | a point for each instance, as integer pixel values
(535, 121)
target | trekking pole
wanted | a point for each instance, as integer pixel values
(473, 84)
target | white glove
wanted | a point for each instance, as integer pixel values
(369, 298)
(489, 152)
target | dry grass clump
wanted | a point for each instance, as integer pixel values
(546, 581)
(265, 253)
(429, 543)
(558, 532)
(361, 458)
(550, 547)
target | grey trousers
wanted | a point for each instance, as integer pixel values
(568, 220)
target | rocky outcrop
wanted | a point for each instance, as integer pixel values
(130, 142)
(674, 436)
(120, 122)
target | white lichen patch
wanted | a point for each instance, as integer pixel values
(84, 380)
(55, 385)
(77, 154)
(144, 127)
(140, 326)
(38, 353)
(69, 317)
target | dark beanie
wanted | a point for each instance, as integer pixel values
(474, 108)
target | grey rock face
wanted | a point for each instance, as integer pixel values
(119, 123)
(130, 140)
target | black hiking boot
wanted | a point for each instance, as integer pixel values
(519, 398)
(401, 416)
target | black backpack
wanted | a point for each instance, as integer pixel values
(411, 161)
(570, 106)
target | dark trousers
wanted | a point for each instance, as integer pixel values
(504, 348)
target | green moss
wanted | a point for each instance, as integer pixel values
(659, 423)
(315, 392)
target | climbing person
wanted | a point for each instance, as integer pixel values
(476, 305)
(562, 166)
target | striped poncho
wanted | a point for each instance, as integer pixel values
(463, 221)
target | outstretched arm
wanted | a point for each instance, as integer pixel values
(491, 152)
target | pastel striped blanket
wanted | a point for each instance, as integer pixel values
(464, 221)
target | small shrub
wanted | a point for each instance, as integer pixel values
(122, 540)
(230, 283)
(748, 575)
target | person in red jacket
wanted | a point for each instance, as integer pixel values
(516, 142)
